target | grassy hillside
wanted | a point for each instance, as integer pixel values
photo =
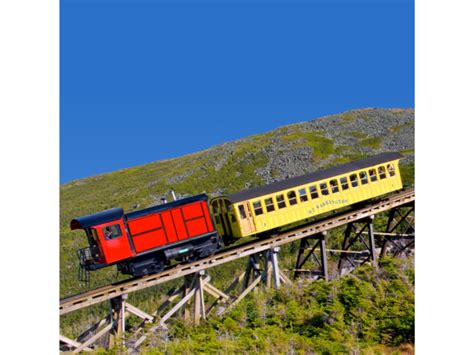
(253, 161)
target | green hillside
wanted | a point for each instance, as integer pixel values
(253, 161)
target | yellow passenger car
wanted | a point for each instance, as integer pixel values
(262, 209)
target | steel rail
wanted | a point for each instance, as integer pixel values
(104, 293)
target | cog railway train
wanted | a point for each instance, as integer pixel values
(146, 241)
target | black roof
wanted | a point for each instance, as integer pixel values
(166, 206)
(311, 177)
(117, 213)
(97, 218)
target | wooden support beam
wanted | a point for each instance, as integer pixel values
(276, 270)
(117, 320)
(72, 343)
(324, 259)
(284, 278)
(176, 307)
(175, 294)
(246, 291)
(90, 331)
(96, 337)
(348, 251)
(385, 234)
(199, 307)
(138, 312)
(215, 292)
(229, 289)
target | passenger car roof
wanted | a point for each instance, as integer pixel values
(311, 177)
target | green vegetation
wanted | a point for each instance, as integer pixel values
(347, 116)
(374, 143)
(408, 174)
(398, 128)
(357, 134)
(369, 311)
(322, 146)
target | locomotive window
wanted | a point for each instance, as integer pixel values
(313, 191)
(391, 169)
(354, 181)
(269, 204)
(281, 201)
(363, 177)
(324, 189)
(214, 207)
(292, 198)
(334, 186)
(257, 207)
(232, 217)
(303, 196)
(381, 171)
(242, 213)
(373, 175)
(112, 232)
(344, 183)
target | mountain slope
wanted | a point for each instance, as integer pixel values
(253, 161)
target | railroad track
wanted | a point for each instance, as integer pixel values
(104, 293)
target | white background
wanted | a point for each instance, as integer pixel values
(29, 185)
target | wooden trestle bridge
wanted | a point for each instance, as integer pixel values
(359, 231)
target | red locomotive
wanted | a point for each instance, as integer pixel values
(145, 241)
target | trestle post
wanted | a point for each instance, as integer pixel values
(307, 250)
(399, 219)
(117, 320)
(352, 235)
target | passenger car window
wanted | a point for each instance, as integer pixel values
(313, 191)
(242, 213)
(303, 196)
(292, 198)
(391, 169)
(363, 177)
(381, 171)
(373, 175)
(324, 189)
(269, 204)
(344, 183)
(281, 201)
(334, 186)
(112, 232)
(257, 207)
(354, 181)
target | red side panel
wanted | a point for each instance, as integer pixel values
(179, 224)
(192, 211)
(149, 240)
(169, 226)
(205, 208)
(196, 227)
(144, 224)
(147, 232)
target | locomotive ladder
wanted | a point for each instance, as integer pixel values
(359, 235)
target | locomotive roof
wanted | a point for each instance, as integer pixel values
(311, 177)
(116, 213)
(96, 218)
(166, 206)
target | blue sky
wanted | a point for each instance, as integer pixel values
(145, 80)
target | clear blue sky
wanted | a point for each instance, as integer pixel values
(144, 80)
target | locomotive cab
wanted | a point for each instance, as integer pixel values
(107, 237)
